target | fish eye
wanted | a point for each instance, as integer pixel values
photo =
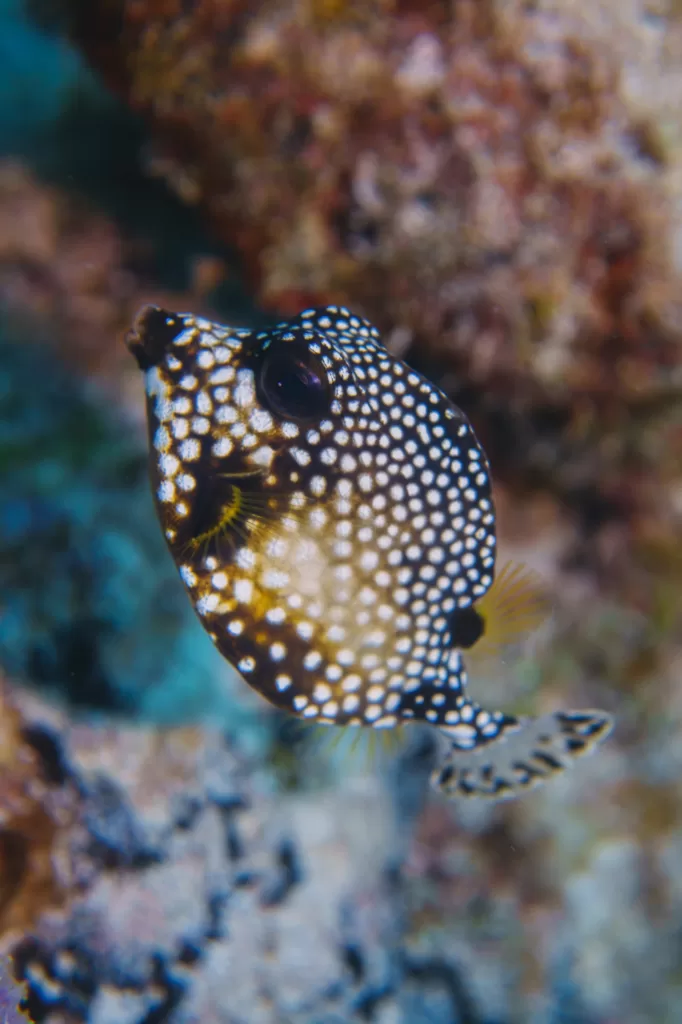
(293, 383)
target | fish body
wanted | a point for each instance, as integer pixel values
(330, 513)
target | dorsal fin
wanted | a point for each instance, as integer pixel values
(514, 608)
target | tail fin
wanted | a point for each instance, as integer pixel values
(525, 752)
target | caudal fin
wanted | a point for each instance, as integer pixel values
(525, 752)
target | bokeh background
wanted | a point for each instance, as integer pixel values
(497, 184)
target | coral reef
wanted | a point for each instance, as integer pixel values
(11, 995)
(72, 276)
(87, 611)
(200, 896)
(197, 893)
(480, 181)
(496, 186)
(34, 818)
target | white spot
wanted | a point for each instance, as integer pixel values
(276, 616)
(190, 450)
(223, 376)
(243, 591)
(275, 579)
(162, 440)
(204, 404)
(263, 456)
(206, 603)
(369, 560)
(180, 428)
(182, 405)
(188, 575)
(168, 465)
(245, 389)
(205, 359)
(246, 558)
(222, 447)
(312, 660)
(166, 491)
(227, 414)
(301, 456)
(260, 420)
(186, 482)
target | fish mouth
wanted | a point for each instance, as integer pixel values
(153, 332)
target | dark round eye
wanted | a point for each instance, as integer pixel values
(294, 384)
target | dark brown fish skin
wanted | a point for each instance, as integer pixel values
(330, 513)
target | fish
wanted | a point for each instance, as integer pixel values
(330, 513)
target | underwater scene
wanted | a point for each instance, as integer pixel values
(341, 511)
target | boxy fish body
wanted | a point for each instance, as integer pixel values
(331, 516)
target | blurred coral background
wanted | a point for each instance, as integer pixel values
(497, 184)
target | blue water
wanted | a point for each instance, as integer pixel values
(38, 75)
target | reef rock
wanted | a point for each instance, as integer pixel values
(496, 186)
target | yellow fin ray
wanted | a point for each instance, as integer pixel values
(365, 744)
(514, 608)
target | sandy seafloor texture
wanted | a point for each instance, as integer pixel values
(171, 852)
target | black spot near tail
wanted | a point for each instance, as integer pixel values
(466, 628)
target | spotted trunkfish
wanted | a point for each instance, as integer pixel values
(330, 514)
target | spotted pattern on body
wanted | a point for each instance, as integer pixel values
(331, 516)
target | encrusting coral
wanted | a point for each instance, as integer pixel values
(471, 177)
(36, 816)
